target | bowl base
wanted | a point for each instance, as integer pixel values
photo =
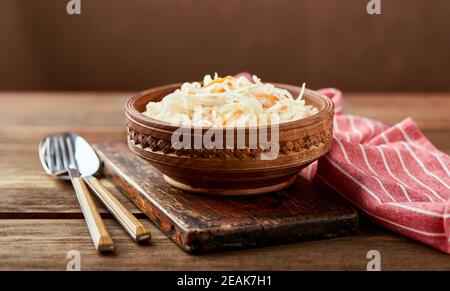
(230, 191)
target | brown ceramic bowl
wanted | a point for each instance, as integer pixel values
(233, 171)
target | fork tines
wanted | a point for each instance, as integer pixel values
(50, 153)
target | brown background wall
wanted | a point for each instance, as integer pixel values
(135, 44)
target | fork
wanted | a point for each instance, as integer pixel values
(61, 159)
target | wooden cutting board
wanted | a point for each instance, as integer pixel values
(198, 223)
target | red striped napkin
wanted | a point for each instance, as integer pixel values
(392, 174)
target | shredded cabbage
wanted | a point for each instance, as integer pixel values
(229, 101)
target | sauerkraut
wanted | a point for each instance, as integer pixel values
(229, 101)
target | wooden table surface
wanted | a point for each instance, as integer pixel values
(40, 220)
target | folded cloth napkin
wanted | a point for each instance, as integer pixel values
(392, 174)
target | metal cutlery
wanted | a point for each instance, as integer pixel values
(57, 154)
(88, 164)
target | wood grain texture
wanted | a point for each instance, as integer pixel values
(45, 243)
(31, 203)
(27, 191)
(75, 110)
(202, 223)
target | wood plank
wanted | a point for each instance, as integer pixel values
(429, 110)
(51, 198)
(27, 191)
(43, 245)
(62, 109)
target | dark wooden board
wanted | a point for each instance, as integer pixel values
(203, 223)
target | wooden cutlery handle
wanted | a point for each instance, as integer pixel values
(131, 224)
(99, 234)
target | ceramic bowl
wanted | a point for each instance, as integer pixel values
(235, 170)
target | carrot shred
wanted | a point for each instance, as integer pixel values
(219, 80)
(269, 97)
(218, 90)
(233, 116)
